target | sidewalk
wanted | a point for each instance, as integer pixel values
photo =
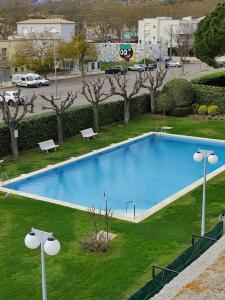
(74, 75)
(201, 280)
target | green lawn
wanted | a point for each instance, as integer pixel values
(75, 274)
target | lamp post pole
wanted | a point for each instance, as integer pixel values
(204, 198)
(212, 158)
(55, 68)
(49, 245)
(43, 271)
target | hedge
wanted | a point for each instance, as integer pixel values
(41, 127)
(210, 95)
(213, 79)
(181, 111)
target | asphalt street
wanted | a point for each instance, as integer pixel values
(75, 84)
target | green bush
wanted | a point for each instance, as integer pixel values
(203, 110)
(213, 110)
(175, 93)
(213, 79)
(195, 107)
(181, 111)
(210, 95)
(35, 129)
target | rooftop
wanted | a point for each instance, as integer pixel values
(45, 21)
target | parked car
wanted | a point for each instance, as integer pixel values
(172, 63)
(12, 97)
(116, 70)
(40, 81)
(136, 67)
(24, 80)
(151, 66)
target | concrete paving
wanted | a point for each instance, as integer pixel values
(202, 280)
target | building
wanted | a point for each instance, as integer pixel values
(64, 29)
(162, 29)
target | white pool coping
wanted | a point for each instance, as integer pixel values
(147, 213)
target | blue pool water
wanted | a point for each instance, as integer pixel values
(146, 171)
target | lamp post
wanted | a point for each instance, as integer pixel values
(211, 157)
(49, 245)
(54, 33)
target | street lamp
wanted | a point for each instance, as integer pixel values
(55, 33)
(49, 245)
(212, 158)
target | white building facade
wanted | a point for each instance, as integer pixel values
(161, 29)
(64, 29)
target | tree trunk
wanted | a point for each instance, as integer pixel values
(14, 144)
(126, 111)
(60, 128)
(152, 102)
(96, 120)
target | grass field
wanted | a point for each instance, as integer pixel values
(76, 274)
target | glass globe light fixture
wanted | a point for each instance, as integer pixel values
(198, 156)
(51, 246)
(213, 159)
(31, 241)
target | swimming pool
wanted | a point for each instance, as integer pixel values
(149, 171)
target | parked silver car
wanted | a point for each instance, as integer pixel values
(172, 63)
(136, 67)
(12, 97)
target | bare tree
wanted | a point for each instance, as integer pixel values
(36, 53)
(119, 86)
(12, 115)
(98, 240)
(183, 37)
(93, 93)
(152, 82)
(59, 106)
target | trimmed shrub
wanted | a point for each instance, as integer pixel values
(213, 110)
(195, 107)
(181, 111)
(213, 79)
(203, 110)
(177, 93)
(210, 95)
(38, 128)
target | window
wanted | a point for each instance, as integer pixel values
(53, 29)
(24, 30)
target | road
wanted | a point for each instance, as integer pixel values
(74, 84)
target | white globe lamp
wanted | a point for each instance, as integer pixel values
(51, 246)
(198, 156)
(31, 241)
(213, 159)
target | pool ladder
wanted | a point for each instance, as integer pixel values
(134, 207)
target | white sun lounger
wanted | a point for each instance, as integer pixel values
(88, 133)
(47, 145)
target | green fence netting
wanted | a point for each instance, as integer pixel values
(179, 264)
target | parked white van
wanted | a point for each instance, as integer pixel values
(40, 81)
(24, 80)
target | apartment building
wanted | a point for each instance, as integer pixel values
(64, 29)
(162, 29)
